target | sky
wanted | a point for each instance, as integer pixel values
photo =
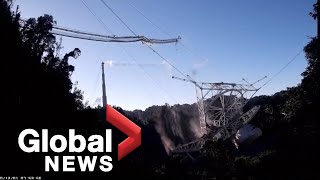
(221, 41)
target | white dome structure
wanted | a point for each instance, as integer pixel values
(246, 134)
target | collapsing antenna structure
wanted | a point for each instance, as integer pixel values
(67, 32)
(220, 107)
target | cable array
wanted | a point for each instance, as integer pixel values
(166, 33)
(283, 68)
(136, 38)
(126, 52)
(62, 31)
(152, 49)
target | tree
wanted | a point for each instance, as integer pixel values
(311, 80)
(50, 73)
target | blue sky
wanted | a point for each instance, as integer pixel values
(221, 41)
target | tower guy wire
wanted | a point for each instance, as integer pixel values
(166, 33)
(128, 54)
(152, 49)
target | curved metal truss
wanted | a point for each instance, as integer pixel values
(223, 102)
(220, 107)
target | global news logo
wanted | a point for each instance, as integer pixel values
(30, 141)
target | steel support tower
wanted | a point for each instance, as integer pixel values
(220, 107)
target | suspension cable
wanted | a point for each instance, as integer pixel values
(283, 68)
(106, 5)
(152, 49)
(133, 59)
(276, 74)
(166, 33)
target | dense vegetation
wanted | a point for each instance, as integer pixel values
(38, 93)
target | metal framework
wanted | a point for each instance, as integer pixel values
(78, 34)
(63, 31)
(220, 107)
